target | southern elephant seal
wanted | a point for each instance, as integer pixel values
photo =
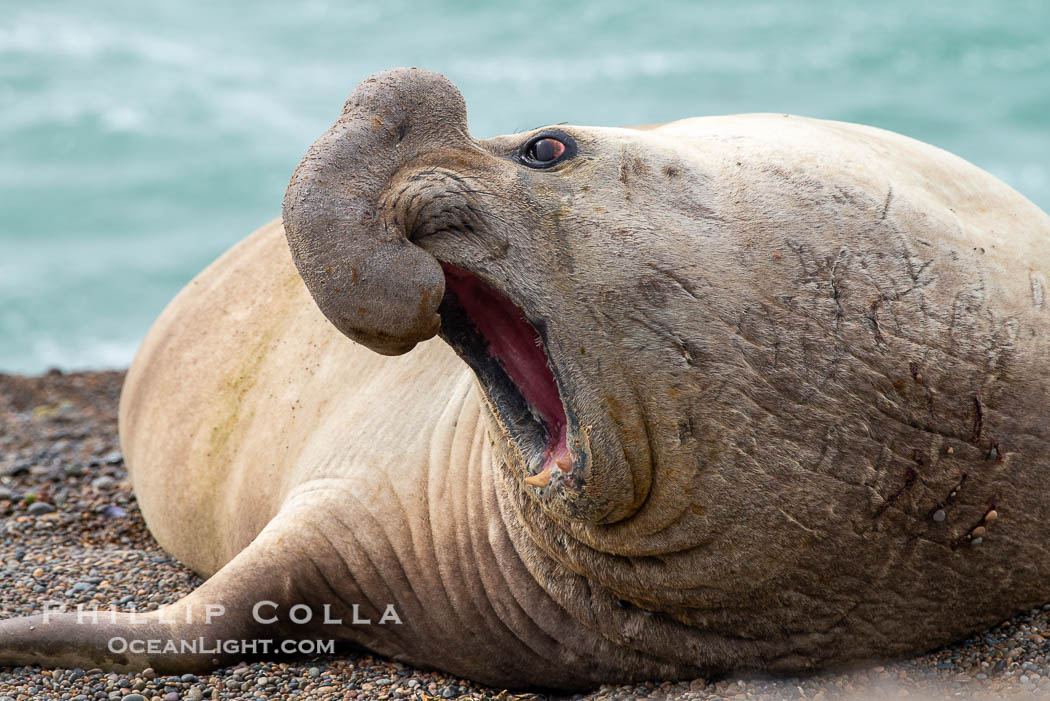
(735, 392)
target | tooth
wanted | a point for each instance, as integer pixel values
(564, 462)
(540, 480)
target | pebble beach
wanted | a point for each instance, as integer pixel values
(72, 533)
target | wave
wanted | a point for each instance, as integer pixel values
(89, 353)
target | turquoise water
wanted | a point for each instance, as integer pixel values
(140, 140)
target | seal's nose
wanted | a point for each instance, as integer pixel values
(416, 105)
(371, 282)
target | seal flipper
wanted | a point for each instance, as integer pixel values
(182, 635)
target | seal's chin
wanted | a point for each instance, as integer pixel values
(508, 355)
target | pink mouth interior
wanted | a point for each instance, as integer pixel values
(515, 343)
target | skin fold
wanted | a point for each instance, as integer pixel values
(805, 365)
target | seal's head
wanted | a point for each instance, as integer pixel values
(533, 255)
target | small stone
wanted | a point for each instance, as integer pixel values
(149, 673)
(113, 511)
(194, 694)
(38, 573)
(188, 678)
(262, 681)
(939, 515)
(103, 482)
(314, 672)
(171, 696)
(19, 468)
(951, 450)
(38, 508)
(134, 697)
(979, 532)
(976, 541)
(982, 676)
(991, 516)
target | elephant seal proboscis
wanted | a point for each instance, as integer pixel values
(746, 392)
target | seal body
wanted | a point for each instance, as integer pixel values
(736, 392)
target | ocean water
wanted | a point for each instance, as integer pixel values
(140, 140)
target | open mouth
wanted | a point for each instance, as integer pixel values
(508, 355)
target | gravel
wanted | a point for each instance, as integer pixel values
(59, 449)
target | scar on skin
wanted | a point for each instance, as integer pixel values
(940, 512)
(886, 204)
(978, 419)
(909, 479)
(975, 535)
(873, 317)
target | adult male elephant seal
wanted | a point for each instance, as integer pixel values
(735, 392)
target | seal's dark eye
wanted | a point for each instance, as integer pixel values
(545, 150)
